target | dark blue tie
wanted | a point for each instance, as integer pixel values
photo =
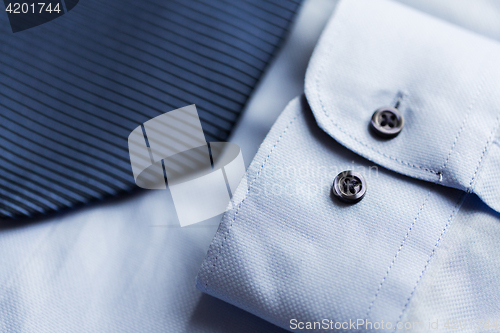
(72, 89)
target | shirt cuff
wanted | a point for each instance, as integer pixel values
(444, 78)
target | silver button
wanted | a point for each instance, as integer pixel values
(387, 122)
(349, 186)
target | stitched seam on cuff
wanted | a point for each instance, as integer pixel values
(399, 250)
(433, 252)
(438, 173)
(486, 147)
(248, 192)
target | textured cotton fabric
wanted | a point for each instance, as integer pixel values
(120, 267)
(290, 251)
(462, 283)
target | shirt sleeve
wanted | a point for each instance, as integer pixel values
(291, 253)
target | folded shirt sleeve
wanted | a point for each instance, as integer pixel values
(289, 252)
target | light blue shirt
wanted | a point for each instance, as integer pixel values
(418, 250)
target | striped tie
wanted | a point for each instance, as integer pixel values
(72, 89)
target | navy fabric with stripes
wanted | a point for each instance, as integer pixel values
(72, 90)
